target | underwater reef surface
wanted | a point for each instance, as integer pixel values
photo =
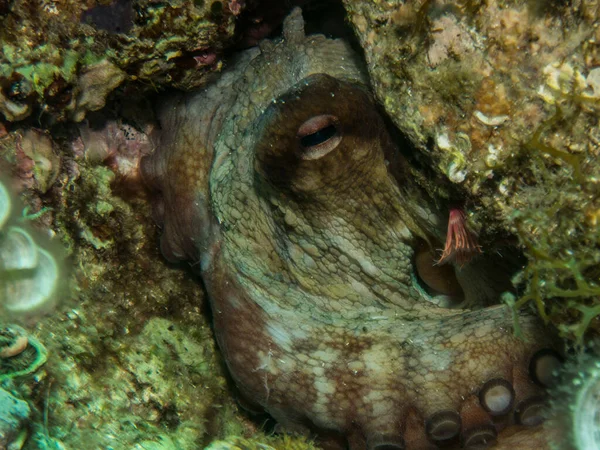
(63, 58)
(500, 100)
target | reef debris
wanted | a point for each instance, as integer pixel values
(62, 58)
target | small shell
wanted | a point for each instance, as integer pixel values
(17, 346)
(492, 121)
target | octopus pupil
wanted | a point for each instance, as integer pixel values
(318, 137)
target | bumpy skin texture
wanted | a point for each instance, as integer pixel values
(307, 256)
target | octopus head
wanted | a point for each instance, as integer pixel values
(317, 251)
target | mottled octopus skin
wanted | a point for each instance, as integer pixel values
(308, 260)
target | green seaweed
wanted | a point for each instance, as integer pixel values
(559, 291)
(537, 144)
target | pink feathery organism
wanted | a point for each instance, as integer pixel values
(461, 243)
(235, 6)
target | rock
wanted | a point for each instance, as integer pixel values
(501, 99)
(14, 414)
(13, 111)
(92, 88)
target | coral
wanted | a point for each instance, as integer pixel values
(60, 59)
(118, 145)
(92, 88)
(159, 385)
(20, 353)
(125, 313)
(122, 307)
(284, 441)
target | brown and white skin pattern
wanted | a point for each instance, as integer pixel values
(278, 180)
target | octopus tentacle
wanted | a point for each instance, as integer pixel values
(278, 178)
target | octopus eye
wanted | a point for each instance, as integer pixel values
(318, 136)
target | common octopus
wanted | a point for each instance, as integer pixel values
(283, 183)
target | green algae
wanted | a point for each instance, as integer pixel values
(47, 49)
(160, 386)
(131, 348)
(263, 443)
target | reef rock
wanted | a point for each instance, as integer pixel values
(14, 414)
(67, 55)
(501, 99)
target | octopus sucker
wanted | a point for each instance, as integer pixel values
(316, 251)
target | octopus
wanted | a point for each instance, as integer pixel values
(283, 185)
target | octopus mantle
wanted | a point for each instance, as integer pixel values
(282, 181)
